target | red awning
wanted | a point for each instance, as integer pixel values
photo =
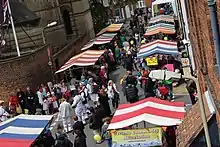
(85, 58)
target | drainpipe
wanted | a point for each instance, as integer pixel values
(215, 30)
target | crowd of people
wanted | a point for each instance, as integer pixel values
(86, 101)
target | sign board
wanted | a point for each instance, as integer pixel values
(151, 61)
(137, 138)
(187, 71)
(185, 61)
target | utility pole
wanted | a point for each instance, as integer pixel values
(13, 29)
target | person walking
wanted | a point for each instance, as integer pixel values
(62, 138)
(21, 99)
(93, 90)
(80, 108)
(78, 125)
(103, 100)
(66, 113)
(80, 140)
(106, 135)
(113, 94)
(131, 93)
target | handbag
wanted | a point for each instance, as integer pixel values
(18, 109)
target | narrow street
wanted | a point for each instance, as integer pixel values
(180, 94)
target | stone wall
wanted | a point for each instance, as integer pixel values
(32, 69)
(204, 54)
(49, 11)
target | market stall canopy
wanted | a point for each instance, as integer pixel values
(151, 110)
(160, 28)
(169, 67)
(85, 58)
(102, 39)
(158, 47)
(22, 130)
(164, 75)
(161, 18)
(111, 28)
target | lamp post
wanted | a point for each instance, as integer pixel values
(49, 52)
(47, 26)
(166, 75)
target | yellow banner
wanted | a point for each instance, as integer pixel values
(151, 61)
(137, 138)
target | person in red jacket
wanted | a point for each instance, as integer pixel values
(13, 102)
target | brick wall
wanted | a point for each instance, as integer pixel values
(204, 52)
(32, 69)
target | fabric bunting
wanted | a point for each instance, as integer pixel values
(151, 110)
(86, 58)
(159, 18)
(102, 39)
(22, 130)
(111, 28)
(158, 47)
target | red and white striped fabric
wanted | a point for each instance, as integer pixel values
(86, 58)
(102, 39)
(152, 110)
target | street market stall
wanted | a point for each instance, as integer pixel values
(160, 28)
(161, 18)
(22, 130)
(111, 28)
(151, 110)
(158, 47)
(102, 39)
(86, 58)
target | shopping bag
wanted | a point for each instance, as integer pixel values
(18, 109)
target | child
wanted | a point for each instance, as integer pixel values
(54, 103)
(106, 135)
(45, 106)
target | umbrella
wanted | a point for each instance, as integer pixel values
(164, 75)
(169, 67)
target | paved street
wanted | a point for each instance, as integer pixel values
(179, 93)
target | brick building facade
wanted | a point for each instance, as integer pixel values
(200, 34)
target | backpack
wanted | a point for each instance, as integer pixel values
(84, 98)
(95, 89)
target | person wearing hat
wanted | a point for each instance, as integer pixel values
(3, 114)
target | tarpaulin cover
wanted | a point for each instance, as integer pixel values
(111, 28)
(86, 58)
(158, 47)
(102, 39)
(151, 110)
(160, 18)
(22, 130)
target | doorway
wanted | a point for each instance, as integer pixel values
(67, 22)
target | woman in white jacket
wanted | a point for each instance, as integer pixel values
(93, 93)
(80, 108)
(113, 93)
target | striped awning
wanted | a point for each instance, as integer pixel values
(102, 39)
(111, 28)
(162, 18)
(22, 130)
(158, 47)
(160, 28)
(85, 58)
(151, 110)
